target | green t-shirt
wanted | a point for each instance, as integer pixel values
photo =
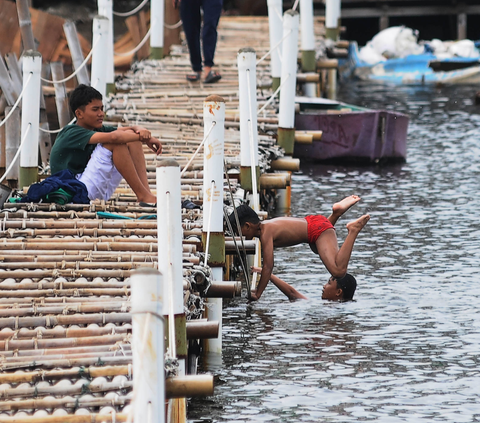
(72, 150)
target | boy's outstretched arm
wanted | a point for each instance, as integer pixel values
(283, 286)
(267, 253)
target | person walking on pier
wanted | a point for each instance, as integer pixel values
(316, 230)
(99, 155)
(192, 26)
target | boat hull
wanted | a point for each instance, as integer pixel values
(413, 69)
(366, 136)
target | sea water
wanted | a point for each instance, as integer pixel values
(408, 348)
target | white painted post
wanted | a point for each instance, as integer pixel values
(170, 250)
(213, 236)
(247, 88)
(308, 45)
(148, 347)
(105, 8)
(275, 26)
(332, 15)
(32, 68)
(99, 56)
(286, 115)
(157, 17)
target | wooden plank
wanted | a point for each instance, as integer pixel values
(48, 31)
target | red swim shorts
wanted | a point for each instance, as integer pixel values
(316, 225)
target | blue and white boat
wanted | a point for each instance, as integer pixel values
(424, 67)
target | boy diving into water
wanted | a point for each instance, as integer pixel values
(316, 230)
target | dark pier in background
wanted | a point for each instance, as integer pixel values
(443, 19)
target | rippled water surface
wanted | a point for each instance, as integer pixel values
(408, 348)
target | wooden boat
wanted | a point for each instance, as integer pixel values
(350, 133)
(425, 68)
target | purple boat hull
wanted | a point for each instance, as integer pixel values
(366, 135)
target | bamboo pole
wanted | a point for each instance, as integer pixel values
(86, 418)
(74, 373)
(61, 332)
(71, 35)
(66, 363)
(60, 94)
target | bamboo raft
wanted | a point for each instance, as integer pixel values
(65, 326)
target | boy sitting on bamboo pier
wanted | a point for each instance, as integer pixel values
(99, 155)
(316, 230)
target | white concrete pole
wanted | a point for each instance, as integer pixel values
(170, 250)
(308, 45)
(247, 89)
(105, 8)
(148, 347)
(332, 15)
(157, 17)
(99, 56)
(32, 68)
(286, 115)
(306, 24)
(275, 27)
(213, 237)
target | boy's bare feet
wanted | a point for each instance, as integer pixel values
(357, 225)
(342, 206)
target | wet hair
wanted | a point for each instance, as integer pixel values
(83, 95)
(245, 214)
(348, 284)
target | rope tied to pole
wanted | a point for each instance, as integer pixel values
(273, 95)
(198, 149)
(174, 26)
(18, 100)
(131, 12)
(274, 48)
(61, 81)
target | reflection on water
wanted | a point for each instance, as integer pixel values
(407, 349)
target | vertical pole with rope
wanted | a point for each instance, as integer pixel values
(213, 237)
(307, 44)
(32, 68)
(75, 48)
(157, 17)
(275, 27)
(148, 346)
(170, 250)
(247, 84)
(286, 114)
(99, 56)
(105, 8)
(332, 31)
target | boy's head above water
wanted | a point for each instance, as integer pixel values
(248, 219)
(339, 288)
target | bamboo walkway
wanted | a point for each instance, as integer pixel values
(65, 326)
